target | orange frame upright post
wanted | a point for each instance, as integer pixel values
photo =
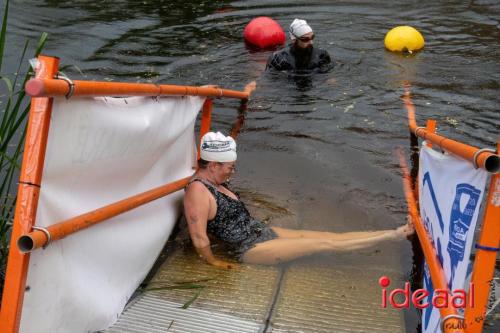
(27, 199)
(206, 120)
(484, 264)
(431, 128)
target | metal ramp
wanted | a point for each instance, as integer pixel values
(333, 299)
(300, 297)
(152, 313)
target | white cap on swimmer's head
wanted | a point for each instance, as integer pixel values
(299, 28)
(216, 147)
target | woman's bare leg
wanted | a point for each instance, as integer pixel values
(404, 230)
(285, 249)
(290, 233)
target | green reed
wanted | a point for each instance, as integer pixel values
(161, 286)
(14, 108)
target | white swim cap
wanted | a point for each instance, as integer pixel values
(216, 147)
(299, 28)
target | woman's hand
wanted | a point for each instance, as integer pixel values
(223, 264)
(206, 253)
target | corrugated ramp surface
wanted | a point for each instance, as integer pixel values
(152, 313)
(236, 300)
(303, 297)
(246, 291)
(333, 299)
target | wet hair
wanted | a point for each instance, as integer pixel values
(202, 164)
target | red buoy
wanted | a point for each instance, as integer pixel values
(264, 32)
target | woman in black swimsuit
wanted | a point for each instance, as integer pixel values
(211, 208)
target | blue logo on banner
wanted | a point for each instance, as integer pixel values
(460, 221)
(427, 179)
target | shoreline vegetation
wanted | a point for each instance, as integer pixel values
(14, 109)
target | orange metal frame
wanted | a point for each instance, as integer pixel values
(51, 87)
(27, 199)
(485, 160)
(42, 88)
(489, 239)
(484, 263)
(437, 274)
(36, 238)
(206, 120)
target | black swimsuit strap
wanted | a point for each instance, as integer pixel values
(211, 187)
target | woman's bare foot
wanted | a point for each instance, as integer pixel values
(405, 230)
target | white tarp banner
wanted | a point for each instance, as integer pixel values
(450, 193)
(102, 150)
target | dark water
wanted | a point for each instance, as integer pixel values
(322, 146)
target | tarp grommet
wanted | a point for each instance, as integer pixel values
(46, 232)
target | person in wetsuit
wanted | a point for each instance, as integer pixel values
(210, 207)
(300, 55)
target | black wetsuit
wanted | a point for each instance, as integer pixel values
(294, 59)
(233, 224)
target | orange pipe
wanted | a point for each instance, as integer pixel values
(486, 160)
(235, 129)
(36, 239)
(206, 120)
(430, 126)
(451, 324)
(27, 199)
(484, 264)
(39, 87)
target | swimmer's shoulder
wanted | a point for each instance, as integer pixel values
(279, 60)
(322, 53)
(197, 186)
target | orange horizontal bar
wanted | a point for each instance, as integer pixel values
(52, 87)
(438, 278)
(36, 239)
(485, 160)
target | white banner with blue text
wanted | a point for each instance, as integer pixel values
(450, 195)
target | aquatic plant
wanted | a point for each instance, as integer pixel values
(180, 286)
(161, 286)
(14, 107)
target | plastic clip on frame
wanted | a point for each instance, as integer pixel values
(71, 84)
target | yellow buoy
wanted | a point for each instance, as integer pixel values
(404, 39)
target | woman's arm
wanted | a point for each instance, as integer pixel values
(196, 210)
